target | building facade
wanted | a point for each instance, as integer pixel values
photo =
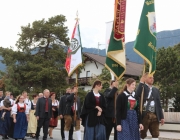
(93, 66)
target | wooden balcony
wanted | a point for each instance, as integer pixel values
(83, 81)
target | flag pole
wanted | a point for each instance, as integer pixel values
(75, 100)
(142, 94)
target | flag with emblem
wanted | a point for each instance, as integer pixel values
(145, 44)
(115, 59)
(74, 54)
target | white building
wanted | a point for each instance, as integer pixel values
(93, 67)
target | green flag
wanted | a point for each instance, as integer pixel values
(116, 60)
(145, 44)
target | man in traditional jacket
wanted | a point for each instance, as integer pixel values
(72, 113)
(110, 95)
(152, 114)
(62, 105)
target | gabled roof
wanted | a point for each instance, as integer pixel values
(95, 57)
(132, 68)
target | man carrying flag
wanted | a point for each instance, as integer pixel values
(73, 61)
(115, 63)
(145, 46)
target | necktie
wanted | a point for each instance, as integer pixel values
(46, 107)
(73, 108)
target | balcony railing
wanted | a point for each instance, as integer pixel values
(81, 81)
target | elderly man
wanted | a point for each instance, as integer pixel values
(40, 95)
(43, 113)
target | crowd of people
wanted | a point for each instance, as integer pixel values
(99, 114)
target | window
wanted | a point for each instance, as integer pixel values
(88, 74)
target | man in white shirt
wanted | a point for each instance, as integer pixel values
(26, 100)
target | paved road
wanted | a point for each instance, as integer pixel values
(164, 136)
(57, 136)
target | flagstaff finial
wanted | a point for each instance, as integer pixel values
(77, 14)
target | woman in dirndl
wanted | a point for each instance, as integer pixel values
(128, 117)
(93, 114)
(54, 120)
(32, 124)
(20, 112)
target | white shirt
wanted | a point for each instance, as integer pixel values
(12, 102)
(56, 103)
(76, 106)
(28, 103)
(130, 97)
(33, 102)
(14, 108)
(152, 103)
(97, 95)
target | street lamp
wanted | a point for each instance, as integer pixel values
(98, 46)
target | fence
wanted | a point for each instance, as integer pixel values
(172, 117)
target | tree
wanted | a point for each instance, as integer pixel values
(11, 76)
(177, 87)
(167, 74)
(39, 61)
(2, 86)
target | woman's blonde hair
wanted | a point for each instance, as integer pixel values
(17, 99)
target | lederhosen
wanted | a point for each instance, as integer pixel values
(150, 120)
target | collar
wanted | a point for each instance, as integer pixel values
(149, 86)
(127, 93)
(97, 95)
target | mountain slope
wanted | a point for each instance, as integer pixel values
(164, 39)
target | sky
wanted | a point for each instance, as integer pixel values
(93, 16)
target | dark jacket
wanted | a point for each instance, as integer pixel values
(40, 107)
(62, 104)
(122, 106)
(69, 103)
(2, 98)
(90, 111)
(156, 96)
(110, 101)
